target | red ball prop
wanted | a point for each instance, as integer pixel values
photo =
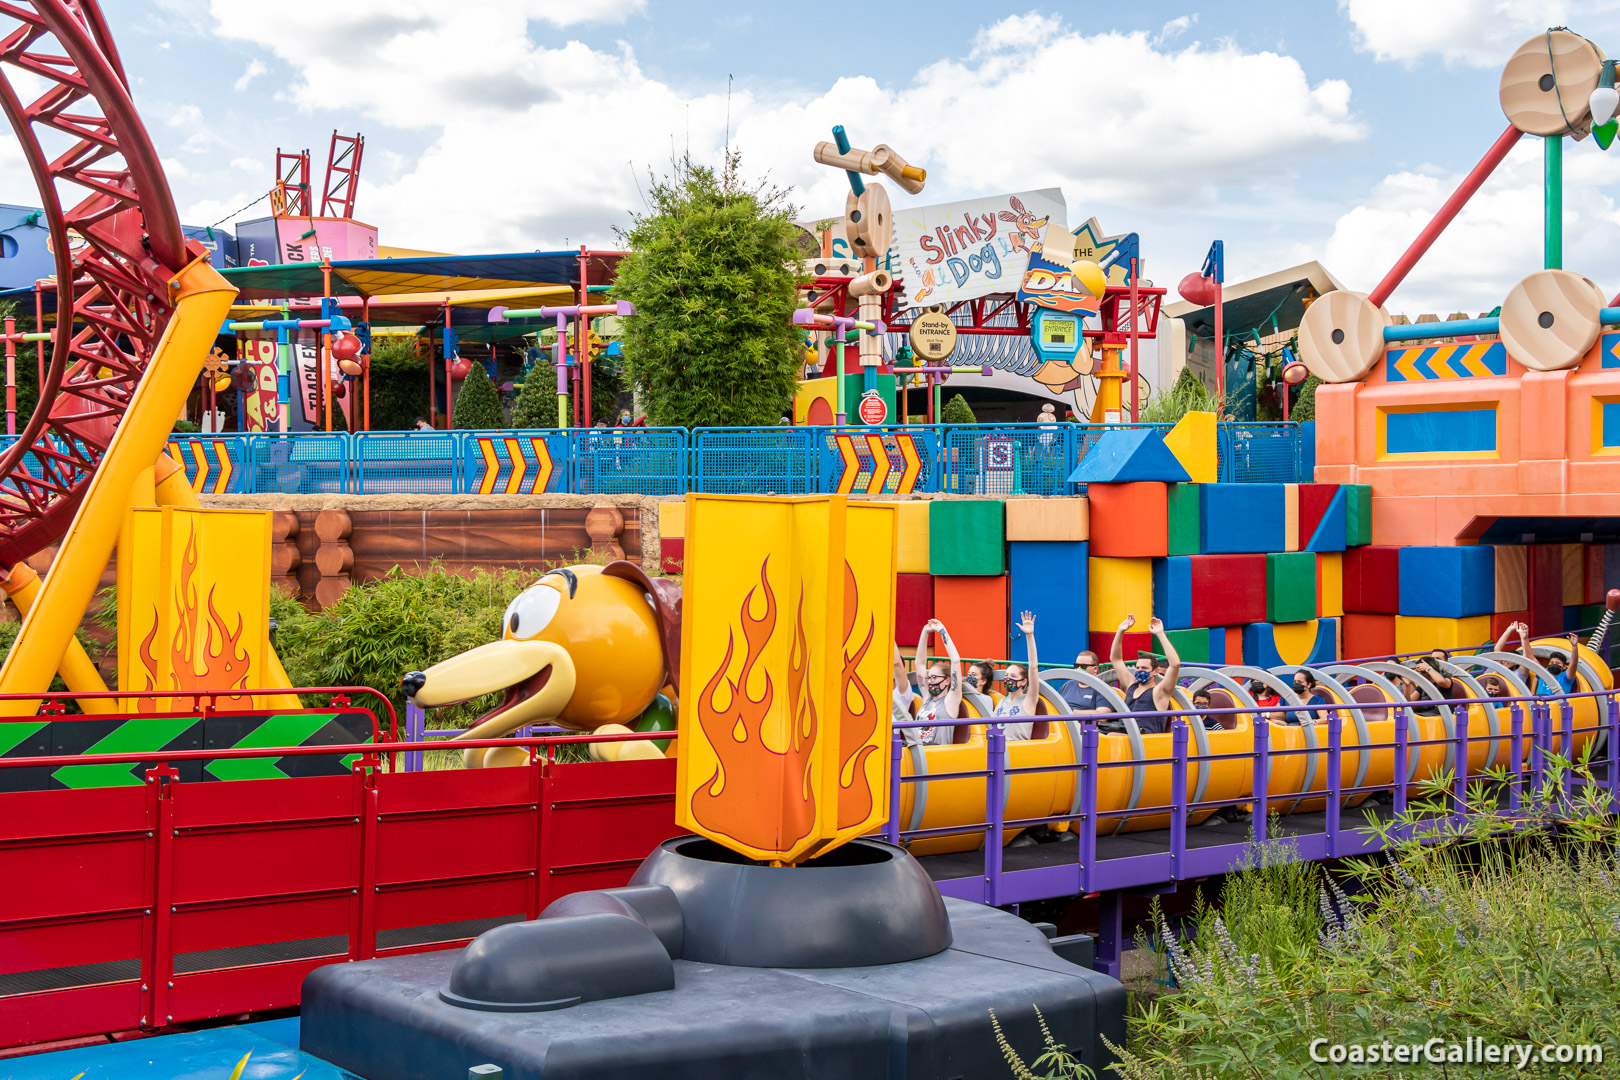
(345, 346)
(1295, 373)
(459, 368)
(339, 388)
(1197, 289)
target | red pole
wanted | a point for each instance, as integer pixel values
(1134, 387)
(449, 384)
(1471, 183)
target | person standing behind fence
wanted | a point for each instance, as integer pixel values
(1149, 687)
(941, 686)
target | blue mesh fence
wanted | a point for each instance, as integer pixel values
(630, 461)
(1007, 459)
(906, 459)
(421, 462)
(308, 463)
(756, 461)
(1259, 453)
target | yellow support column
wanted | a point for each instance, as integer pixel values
(202, 301)
(78, 671)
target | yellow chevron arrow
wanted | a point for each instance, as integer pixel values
(200, 456)
(913, 469)
(544, 469)
(852, 462)
(222, 483)
(1403, 364)
(880, 465)
(514, 483)
(486, 483)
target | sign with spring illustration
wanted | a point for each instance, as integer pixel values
(786, 629)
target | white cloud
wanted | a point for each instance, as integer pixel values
(1494, 242)
(1152, 127)
(247, 164)
(185, 116)
(1475, 33)
(1176, 27)
(255, 68)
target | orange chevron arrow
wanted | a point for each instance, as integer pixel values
(544, 467)
(1440, 362)
(881, 468)
(1403, 364)
(852, 463)
(520, 465)
(913, 467)
(200, 456)
(222, 452)
(486, 483)
(1474, 359)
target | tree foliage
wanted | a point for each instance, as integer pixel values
(712, 271)
(399, 384)
(478, 406)
(536, 405)
(957, 411)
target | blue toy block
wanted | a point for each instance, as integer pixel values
(1172, 592)
(1447, 582)
(1262, 649)
(1238, 518)
(1129, 455)
(1331, 532)
(1051, 579)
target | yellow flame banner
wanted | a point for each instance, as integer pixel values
(785, 652)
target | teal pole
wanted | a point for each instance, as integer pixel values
(1554, 184)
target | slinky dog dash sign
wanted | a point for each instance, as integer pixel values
(787, 632)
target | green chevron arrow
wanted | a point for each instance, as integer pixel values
(291, 730)
(14, 733)
(138, 735)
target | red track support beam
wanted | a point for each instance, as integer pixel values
(1459, 198)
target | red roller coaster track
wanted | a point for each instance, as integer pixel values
(116, 237)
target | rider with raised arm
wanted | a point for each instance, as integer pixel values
(1022, 684)
(1147, 686)
(941, 686)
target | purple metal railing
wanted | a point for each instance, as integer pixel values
(1110, 877)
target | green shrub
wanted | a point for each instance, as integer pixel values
(956, 411)
(1503, 930)
(399, 385)
(478, 406)
(711, 268)
(537, 401)
(1303, 406)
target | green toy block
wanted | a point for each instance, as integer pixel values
(1183, 519)
(1192, 645)
(1358, 514)
(1290, 586)
(854, 385)
(966, 537)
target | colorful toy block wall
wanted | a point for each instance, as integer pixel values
(1264, 574)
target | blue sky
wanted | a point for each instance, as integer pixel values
(1291, 131)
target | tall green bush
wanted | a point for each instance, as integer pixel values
(712, 271)
(478, 406)
(956, 411)
(536, 405)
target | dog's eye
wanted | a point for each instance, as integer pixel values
(532, 611)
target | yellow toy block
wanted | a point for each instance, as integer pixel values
(672, 520)
(1330, 584)
(1291, 517)
(911, 530)
(1120, 587)
(815, 402)
(1049, 519)
(1192, 440)
(1512, 578)
(1420, 633)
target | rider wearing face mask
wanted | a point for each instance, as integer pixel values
(1147, 686)
(1557, 666)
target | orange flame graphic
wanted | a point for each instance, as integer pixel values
(858, 723)
(758, 796)
(224, 667)
(150, 663)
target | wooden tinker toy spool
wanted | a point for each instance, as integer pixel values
(1342, 336)
(1547, 83)
(1551, 319)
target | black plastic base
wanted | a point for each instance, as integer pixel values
(924, 1018)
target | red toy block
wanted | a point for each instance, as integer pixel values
(913, 606)
(672, 555)
(1103, 640)
(1227, 589)
(1368, 635)
(1504, 619)
(1372, 584)
(1234, 644)
(1129, 520)
(1314, 500)
(1546, 589)
(974, 610)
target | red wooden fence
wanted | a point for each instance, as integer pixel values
(173, 902)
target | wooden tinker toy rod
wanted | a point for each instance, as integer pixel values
(1459, 198)
(1609, 316)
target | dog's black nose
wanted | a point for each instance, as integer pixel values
(412, 683)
